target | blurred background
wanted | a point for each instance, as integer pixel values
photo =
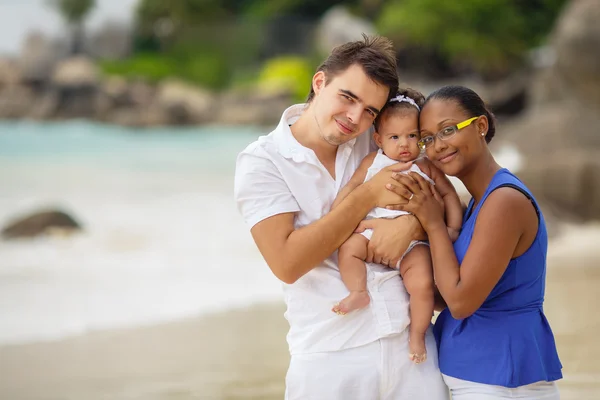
(126, 271)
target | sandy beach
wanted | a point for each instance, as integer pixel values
(242, 354)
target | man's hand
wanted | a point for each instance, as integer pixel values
(391, 238)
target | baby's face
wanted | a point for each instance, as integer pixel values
(398, 136)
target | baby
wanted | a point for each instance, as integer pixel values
(397, 134)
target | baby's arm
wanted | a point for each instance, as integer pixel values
(357, 179)
(452, 204)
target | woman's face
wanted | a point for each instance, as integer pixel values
(457, 154)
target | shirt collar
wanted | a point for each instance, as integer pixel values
(287, 144)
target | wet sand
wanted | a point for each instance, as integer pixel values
(242, 354)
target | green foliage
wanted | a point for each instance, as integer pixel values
(216, 43)
(266, 9)
(73, 11)
(491, 35)
(149, 66)
(290, 72)
(186, 12)
(204, 69)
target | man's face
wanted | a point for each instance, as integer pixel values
(346, 105)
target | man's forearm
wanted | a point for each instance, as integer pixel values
(308, 246)
(346, 190)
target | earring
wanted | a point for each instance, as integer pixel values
(482, 133)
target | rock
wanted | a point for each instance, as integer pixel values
(10, 75)
(252, 108)
(554, 129)
(568, 185)
(506, 96)
(39, 223)
(45, 106)
(16, 102)
(38, 57)
(113, 94)
(76, 72)
(141, 93)
(185, 104)
(338, 26)
(577, 44)
(558, 135)
(76, 81)
(117, 89)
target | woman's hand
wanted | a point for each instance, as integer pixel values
(422, 199)
(391, 238)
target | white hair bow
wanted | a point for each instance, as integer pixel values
(400, 98)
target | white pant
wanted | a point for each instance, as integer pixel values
(377, 371)
(465, 390)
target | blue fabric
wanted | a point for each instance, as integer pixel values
(507, 341)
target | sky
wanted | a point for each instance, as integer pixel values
(18, 17)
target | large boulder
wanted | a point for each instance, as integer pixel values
(569, 185)
(338, 26)
(241, 107)
(44, 106)
(10, 74)
(184, 103)
(559, 135)
(76, 72)
(39, 55)
(44, 222)
(76, 81)
(577, 43)
(16, 102)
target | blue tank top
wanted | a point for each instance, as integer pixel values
(507, 341)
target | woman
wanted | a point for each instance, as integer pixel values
(494, 340)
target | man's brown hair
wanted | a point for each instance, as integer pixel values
(376, 56)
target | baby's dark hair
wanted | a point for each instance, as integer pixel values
(394, 107)
(470, 102)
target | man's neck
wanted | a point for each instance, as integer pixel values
(307, 132)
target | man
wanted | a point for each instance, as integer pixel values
(285, 184)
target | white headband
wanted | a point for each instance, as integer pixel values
(400, 98)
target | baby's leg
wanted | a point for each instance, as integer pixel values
(416, 271)
(353, 270)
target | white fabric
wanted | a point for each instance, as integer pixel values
(380, 370)
(276, 175)
(465, 390)
(380, 162)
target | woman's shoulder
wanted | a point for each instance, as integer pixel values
(505, 177)
(511, 205)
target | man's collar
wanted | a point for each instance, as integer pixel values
(287, 144)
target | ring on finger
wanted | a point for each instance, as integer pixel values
(411, 196)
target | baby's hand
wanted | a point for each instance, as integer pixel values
(453, 233)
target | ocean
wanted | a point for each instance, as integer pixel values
(162, 238)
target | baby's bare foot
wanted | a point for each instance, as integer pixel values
(356, 300)
(418, 351)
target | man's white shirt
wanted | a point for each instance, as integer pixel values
(276, 175)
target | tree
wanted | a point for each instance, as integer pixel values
(74, 12)
(490, 36)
